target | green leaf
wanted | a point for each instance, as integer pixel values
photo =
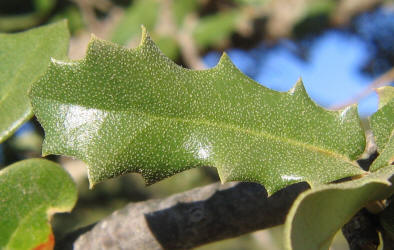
(318, 8)
(140, 12)
(21, 21)
(213, 29)
(122, 110)
(317, 214)
(181, 9)
(382, 125)
(386, 94)
(74, 18)
(30, 192)
(24, 57)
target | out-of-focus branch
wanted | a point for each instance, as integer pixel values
(347, 9)
(188, 219)
(361, 232)
(188, 46)
(381, 81)
(100, 28)
(183, 35)
(87, 10)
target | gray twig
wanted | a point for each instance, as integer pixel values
(188, 219)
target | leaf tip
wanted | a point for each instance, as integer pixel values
(225, 61)
(223, 175)
(298, 88)
(144, 36)
(225, 64)
(385, 94)
(45, 151)
(92, 181)
(93, 37)
(350, 113)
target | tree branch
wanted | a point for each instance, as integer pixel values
(383, 80)
(188, 219)
(361, 231)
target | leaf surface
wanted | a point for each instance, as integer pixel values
(382, 125)
(30, 192)
(122, 110)
(24, 57)
(317, 214)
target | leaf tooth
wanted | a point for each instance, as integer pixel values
(225, 61)
(227, 68)
(349, 112)
(225, 64)
(93, 39)
(92, 181)
(146, 43)
(299, 91)
(298, 88)
(145, 36)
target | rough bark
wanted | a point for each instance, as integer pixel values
(188, 219)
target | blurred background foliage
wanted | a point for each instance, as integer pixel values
(340, 48)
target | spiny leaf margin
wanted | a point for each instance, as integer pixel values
(222, 119)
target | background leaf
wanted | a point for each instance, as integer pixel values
(181, 9)
(124, 110)
(20, 21)
(24, 57)
(318, 214)
(141, 12)
(30, 192)
(382, 125)
(207, 33)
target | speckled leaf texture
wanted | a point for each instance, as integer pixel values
(30, 192)
(24, 58)
(382, 125)
(318, 214)
(122, 110)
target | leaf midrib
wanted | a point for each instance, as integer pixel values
(310, 147)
